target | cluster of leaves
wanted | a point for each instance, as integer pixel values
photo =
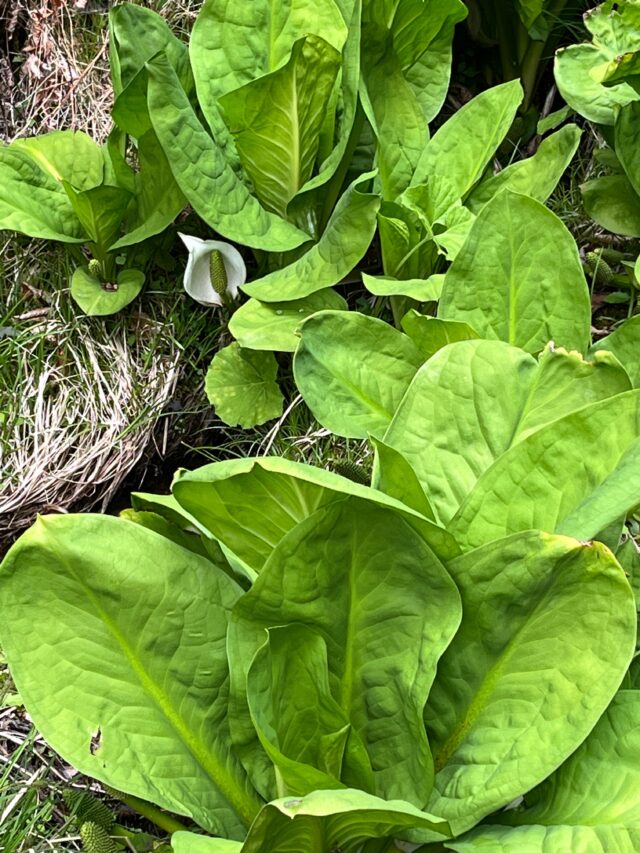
(441, 658)
(601, 81)
(297, 661)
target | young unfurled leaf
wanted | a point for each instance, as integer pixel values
(338, 567)
(275, 121)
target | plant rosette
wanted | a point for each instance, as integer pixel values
(99, 298)
(215, 270)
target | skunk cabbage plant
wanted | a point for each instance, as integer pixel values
(295, 661)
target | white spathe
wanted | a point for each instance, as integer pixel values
(197, 276)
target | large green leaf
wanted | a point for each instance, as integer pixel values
(305, 732)
(624, 343)
(393, 111)
(473, 400)
(131, 685)
(615, 27)
(137, 35)
(233, 45)
(315, 200)
(250, 504)
(464, 145)
(386, 622)
(275, 121)
(344, 242)
(66, 155)
(274, 325)
(33, 202)
(613, 203)
(158, 198)
(202, 172)
(241, 385)
(574, 476)
(353, 370)
(323, 821)
(535, 176)
(547, 634)
(422, 37)
(591, 803)
(519, 278)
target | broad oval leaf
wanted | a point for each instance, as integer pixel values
(613, 203)
(232, 45)
(393, 111)
(250, 504)
(386, 622)
(241, 385)
(464, 145)
(519, 279)
(66, 155)
(528, 486)
(422, 39)
(473, 400)
(614, 27)
(274, 325)
(547, 634)
(137, 35)
(536, 176)
(353, 370)
(131, 686)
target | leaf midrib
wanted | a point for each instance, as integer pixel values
(242, 807)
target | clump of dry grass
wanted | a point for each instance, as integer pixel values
(54, 64)
(80, 422)
(79, 398)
